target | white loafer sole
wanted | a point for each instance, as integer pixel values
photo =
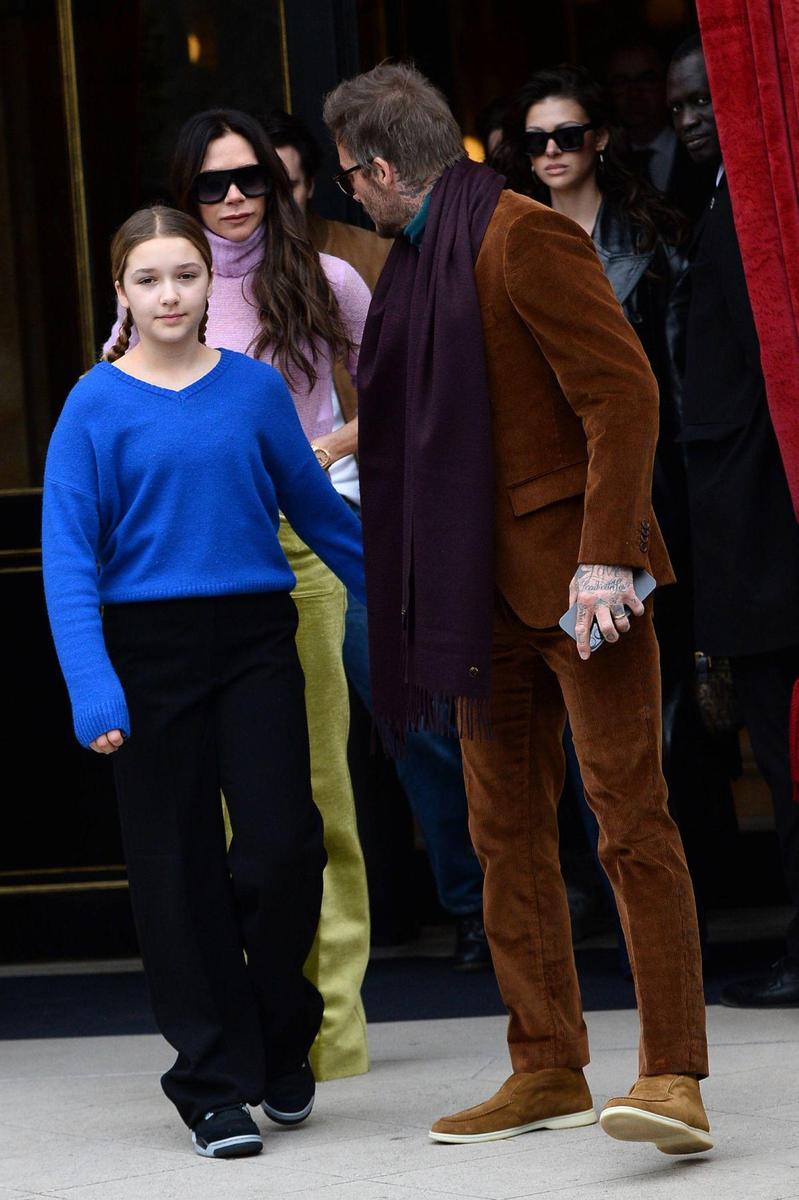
(629, 1124)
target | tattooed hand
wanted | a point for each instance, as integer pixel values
(601, 594)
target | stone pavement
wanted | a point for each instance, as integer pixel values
(84, 1119)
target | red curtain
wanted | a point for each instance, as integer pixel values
(752, 55)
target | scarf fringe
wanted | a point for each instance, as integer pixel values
(438, 713)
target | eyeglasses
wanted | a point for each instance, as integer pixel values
(568, 137)
(343, 180)
(211, 187)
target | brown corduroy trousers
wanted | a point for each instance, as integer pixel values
(513, 782)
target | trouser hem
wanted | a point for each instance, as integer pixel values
(545, 1056)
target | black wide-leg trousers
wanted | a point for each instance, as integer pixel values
(216, 699)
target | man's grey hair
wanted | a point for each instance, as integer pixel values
(393, 112)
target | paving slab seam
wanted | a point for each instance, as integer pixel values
(777, 1157)
(485, 1067)
(512, 1147)
(101, 1139)
(16, 1194)
(64, 1190)
(402, 1190)
(788, 1041)
(81, 1075)
(658, 1169)
(762, 1113)
(29, 1193)
(45, 1195)
(413, 1189)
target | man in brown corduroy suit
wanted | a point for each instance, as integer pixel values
(574, 423)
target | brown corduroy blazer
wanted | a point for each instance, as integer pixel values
(574, 412)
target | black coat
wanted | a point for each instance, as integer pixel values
(744, 533)
(690, 186)
(647, 285)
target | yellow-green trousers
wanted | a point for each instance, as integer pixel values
(338, 959)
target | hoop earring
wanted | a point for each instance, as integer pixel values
(601, 158)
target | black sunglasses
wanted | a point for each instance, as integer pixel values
(344, 182)
(569, 137)
(211, 187)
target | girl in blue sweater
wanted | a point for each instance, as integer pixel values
(169, 601)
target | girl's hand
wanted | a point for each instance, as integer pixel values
(107, 743)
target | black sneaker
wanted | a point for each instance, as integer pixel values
(779, 988)
(472, 952)
(227, 1133)
(288, 1100)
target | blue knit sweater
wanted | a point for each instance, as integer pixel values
(155, 494)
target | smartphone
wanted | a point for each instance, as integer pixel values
(643, 586)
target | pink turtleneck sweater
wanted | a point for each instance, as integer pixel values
(233, 321)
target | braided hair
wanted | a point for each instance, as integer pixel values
(123, 338)
(147, 223)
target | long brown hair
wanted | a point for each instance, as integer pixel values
(297, 307)
(148, 223)
(650, 214)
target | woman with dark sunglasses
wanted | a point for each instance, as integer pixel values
(560, 148)
(276, 299)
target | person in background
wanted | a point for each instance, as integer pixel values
(430, 771)
(277, 299)
(489, 124)
(162, 485)
(506, 446)
(636, 79)
(301, 156)
(743, 528)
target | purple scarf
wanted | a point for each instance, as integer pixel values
(426, 465)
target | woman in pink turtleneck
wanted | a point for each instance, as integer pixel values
(275, 298)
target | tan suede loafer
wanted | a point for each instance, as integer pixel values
(557, 1098)
(664, 1109)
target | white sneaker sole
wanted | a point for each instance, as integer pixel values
(232, 1147)
(629, 1124)
(287, 1118)
(570, 1121)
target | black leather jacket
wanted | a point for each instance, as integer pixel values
(650, 286)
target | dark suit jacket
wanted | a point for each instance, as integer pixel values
(574, 411)
(690, 185)
(745, 536)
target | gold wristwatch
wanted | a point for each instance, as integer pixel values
(323, 457)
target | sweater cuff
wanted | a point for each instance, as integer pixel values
(100, 718)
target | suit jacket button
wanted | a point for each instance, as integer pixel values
(474, 671)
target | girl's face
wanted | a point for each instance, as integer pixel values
(559, 169)
(166, 286)
(236, 216)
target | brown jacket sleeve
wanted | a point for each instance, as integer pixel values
(558, 287)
